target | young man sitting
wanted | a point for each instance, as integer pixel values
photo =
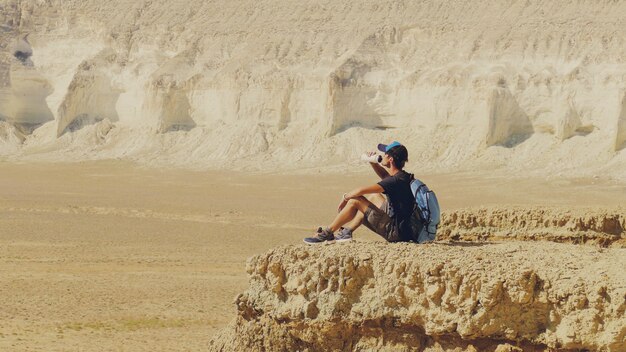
(387, 216)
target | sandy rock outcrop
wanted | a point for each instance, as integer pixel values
(603, 227)
(437, 297)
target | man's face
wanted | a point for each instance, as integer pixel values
(386, 162)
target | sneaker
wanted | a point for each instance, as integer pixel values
(344, 235)
(322, 236)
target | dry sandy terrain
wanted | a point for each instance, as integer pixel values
(109, 242)
(112, 256)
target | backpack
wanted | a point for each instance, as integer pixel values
(426, 214)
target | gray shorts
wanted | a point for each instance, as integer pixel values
(379, 221)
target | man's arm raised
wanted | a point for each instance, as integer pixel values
(380, 171)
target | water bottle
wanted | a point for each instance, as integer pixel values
(372, 158)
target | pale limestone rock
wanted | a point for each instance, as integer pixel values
(317, 83)
(508, 123)
(569, 125)
(620, 136)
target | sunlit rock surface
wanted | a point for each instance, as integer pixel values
(509, 296)
(532, 86)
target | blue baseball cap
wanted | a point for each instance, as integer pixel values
(385, 147)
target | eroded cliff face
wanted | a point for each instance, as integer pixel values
(599, 227)
(519, 84)
(363, 296)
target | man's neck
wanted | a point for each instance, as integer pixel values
(393, 170)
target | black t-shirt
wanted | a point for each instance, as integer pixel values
(400, 200)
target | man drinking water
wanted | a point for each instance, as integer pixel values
(389, 216)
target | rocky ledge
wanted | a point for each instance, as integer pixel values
(363, 296)
(590, 226)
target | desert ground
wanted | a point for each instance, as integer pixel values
(115, 236)
(114, 256)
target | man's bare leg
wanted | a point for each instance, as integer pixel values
(354, 207)
(355, 222)
(377, 199)
(351, 215)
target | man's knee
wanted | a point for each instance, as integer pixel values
(358, 200)
(354, 202)
(360, 203)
